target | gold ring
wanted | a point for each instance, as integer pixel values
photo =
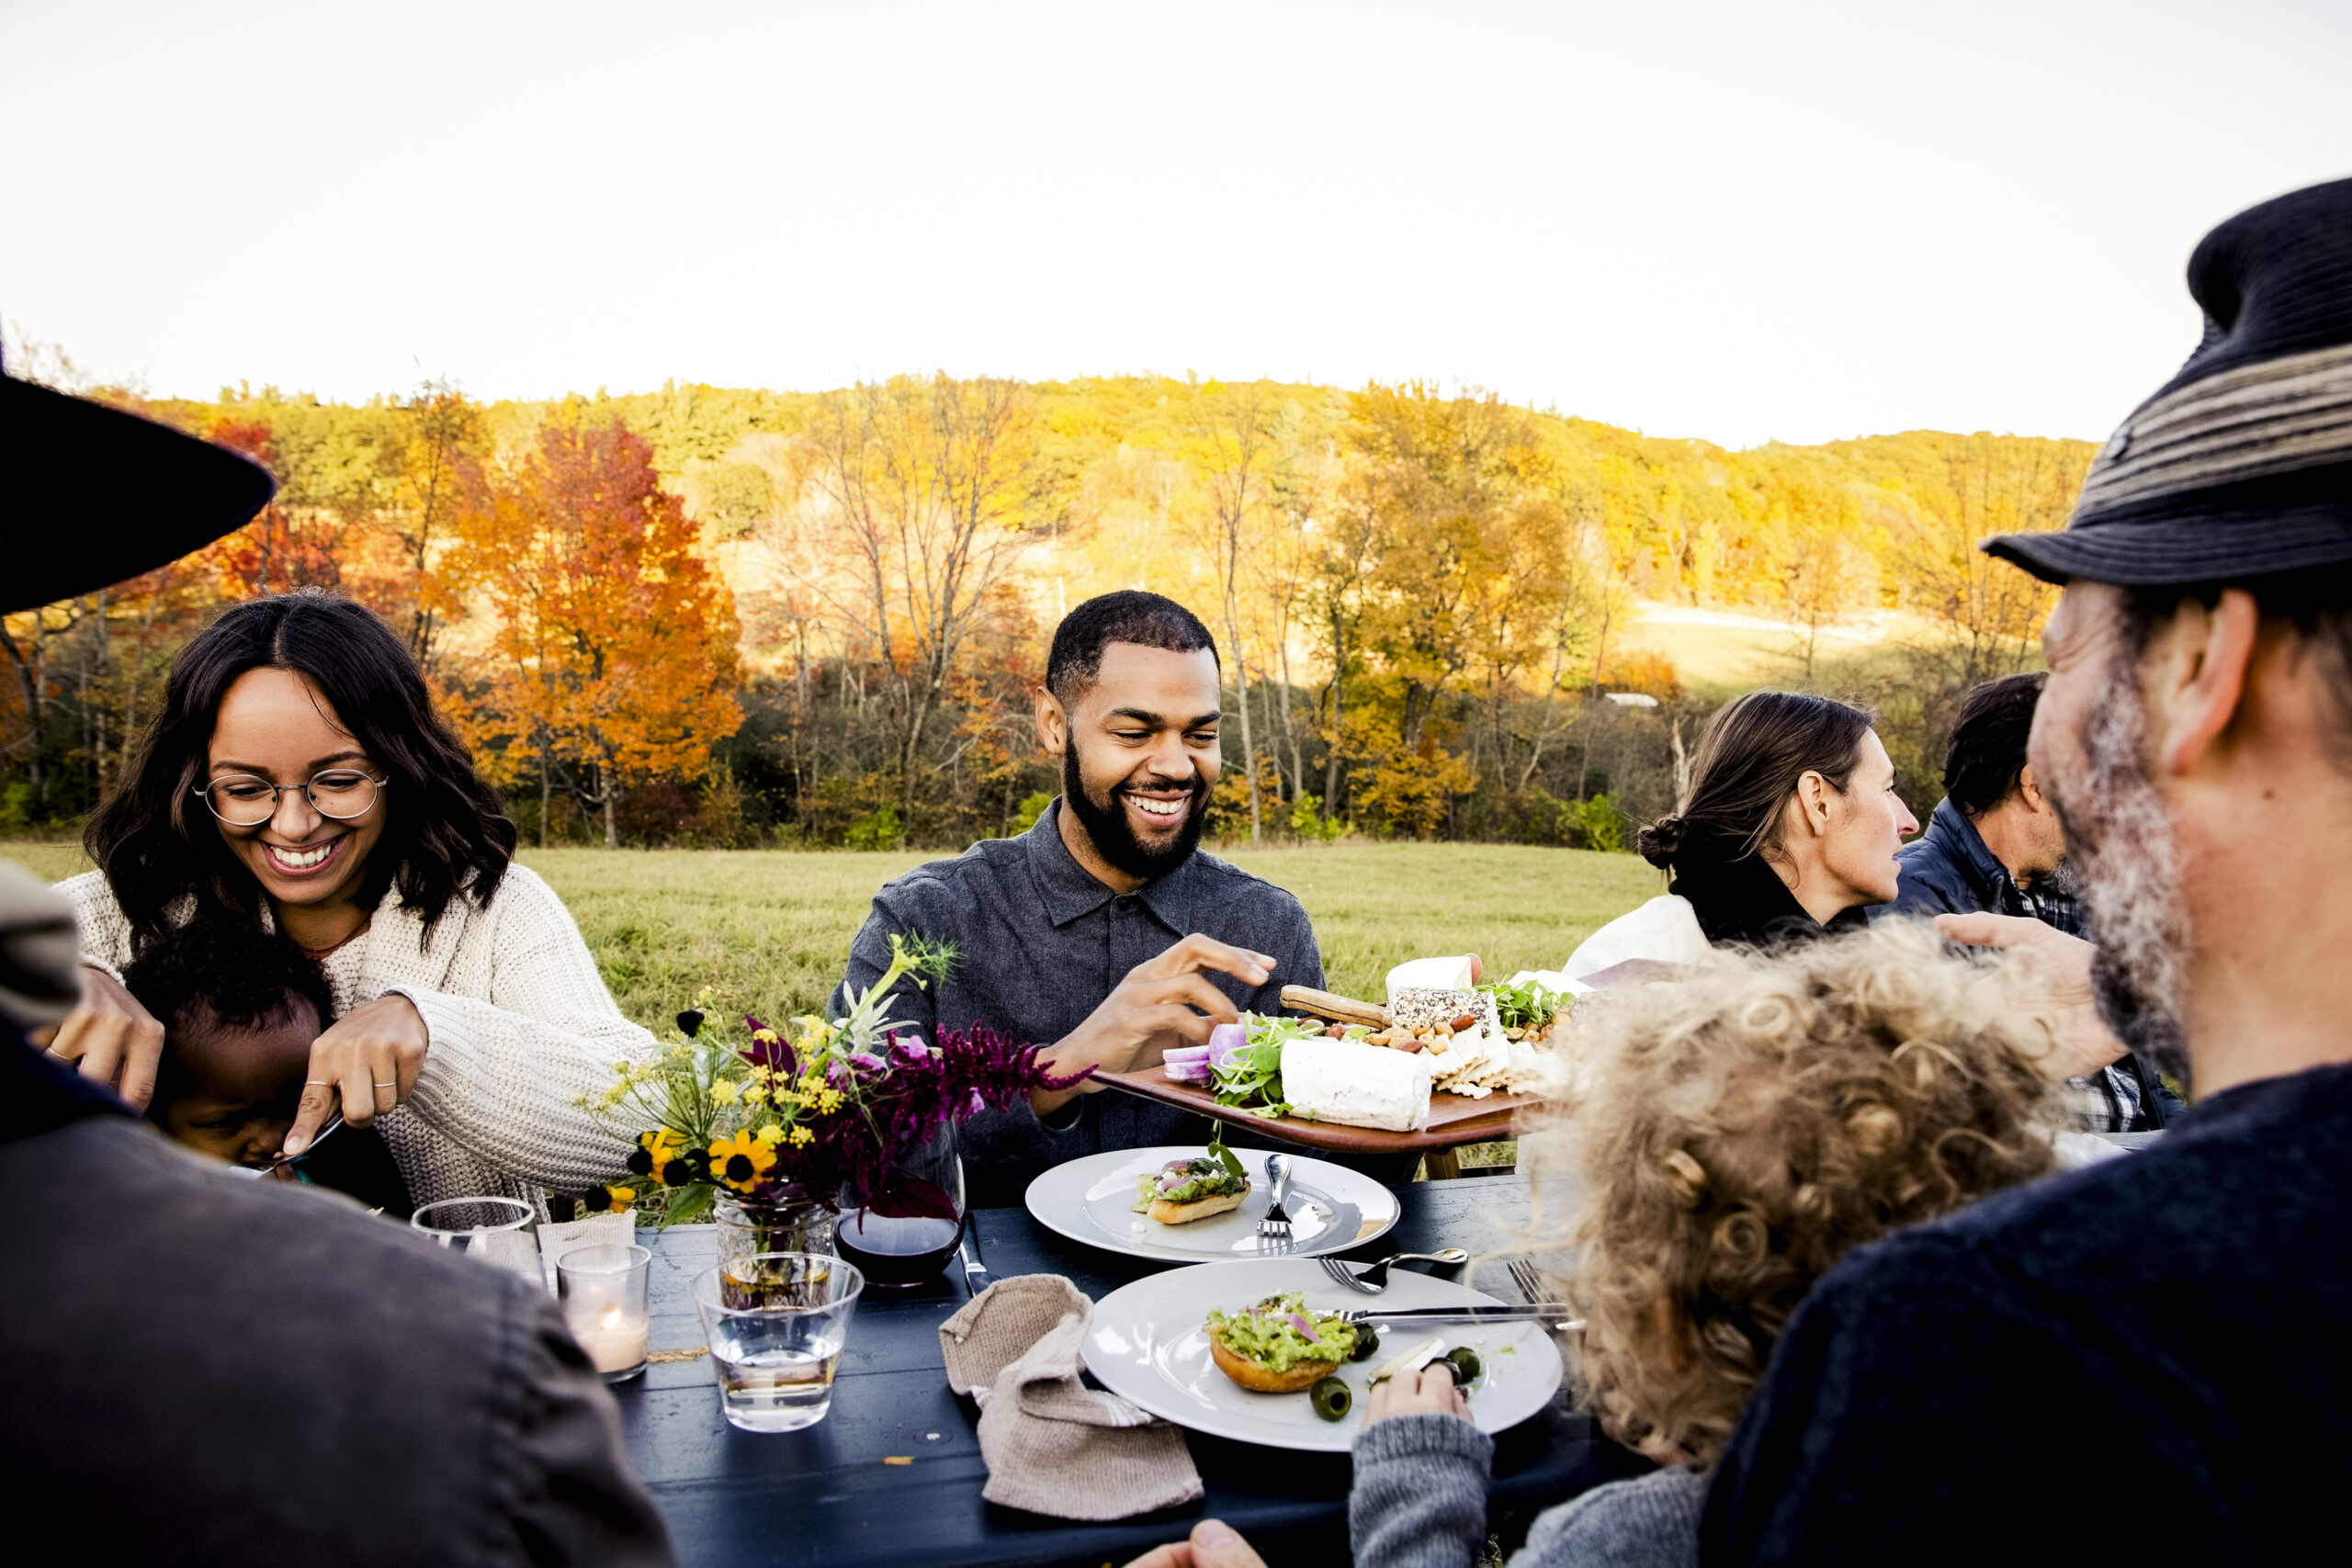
(393, 1085)
(318, 1083)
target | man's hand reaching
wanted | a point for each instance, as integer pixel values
(2048, 976)
(1161, 1001)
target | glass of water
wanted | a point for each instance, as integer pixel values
(775, 1321)
(496, 1230)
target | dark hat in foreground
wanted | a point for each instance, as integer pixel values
(2241, 466)
(93, 495)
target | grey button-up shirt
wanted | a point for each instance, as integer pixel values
(1042, 942)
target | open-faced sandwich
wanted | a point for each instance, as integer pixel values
(1183, 1191)
(1278, 1346)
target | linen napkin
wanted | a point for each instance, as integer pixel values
(558, 1237)
(1052, 1445)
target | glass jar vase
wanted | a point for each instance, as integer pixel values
(788, 1220)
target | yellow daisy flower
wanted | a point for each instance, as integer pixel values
(619, 1198)
(741, 1161)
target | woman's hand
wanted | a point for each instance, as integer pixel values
(370, 1057)
(116, 1040)
(1428, 1391)
(2049, 977)
(1215, 1544)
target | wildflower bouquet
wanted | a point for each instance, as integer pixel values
(818, 1110)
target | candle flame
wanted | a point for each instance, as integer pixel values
(612, 1319)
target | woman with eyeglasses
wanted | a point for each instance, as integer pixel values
(298, 779)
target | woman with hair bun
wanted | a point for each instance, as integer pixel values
(1789, 834)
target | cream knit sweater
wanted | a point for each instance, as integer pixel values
(521, 1028)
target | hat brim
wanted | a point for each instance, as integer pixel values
(2295, 523)
(99, 495)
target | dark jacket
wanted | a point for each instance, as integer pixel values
(1948, 870)
(196, 1368)
(1738, 897)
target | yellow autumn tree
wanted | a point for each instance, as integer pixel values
(614, 643)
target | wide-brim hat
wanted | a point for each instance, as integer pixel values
(2240, 467)
(95, 495)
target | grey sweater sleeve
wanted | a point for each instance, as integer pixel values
(1419, 1497)
(1649, 1522)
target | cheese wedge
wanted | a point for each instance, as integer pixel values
(1356, 1085)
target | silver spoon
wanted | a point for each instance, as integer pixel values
(256, 1172)
(1374, 1280)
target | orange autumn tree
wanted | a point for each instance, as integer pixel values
(612, 642)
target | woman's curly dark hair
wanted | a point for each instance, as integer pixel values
(445, 833)
(1741, 1128)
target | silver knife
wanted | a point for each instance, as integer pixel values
(975, 1273)
(1452, 1315)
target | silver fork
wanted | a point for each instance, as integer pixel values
(1536, 1292)
(1274, 1224)
(1374, 1280)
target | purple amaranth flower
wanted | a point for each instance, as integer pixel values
(769, 1049)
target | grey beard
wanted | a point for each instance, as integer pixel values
(2118, 843)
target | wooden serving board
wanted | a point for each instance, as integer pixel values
(1453, 1119)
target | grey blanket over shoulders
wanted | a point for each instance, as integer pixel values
(1420, 1501)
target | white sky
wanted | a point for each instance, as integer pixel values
(1743, 222)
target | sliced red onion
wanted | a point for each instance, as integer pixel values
(1226, 1041)
(1305, 1325)
(1189, 1072)
(1186, 1053)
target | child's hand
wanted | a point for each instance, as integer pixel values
(1428, 1391)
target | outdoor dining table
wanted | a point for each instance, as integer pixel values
(893, 1475)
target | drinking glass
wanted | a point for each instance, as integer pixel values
(905, 1236)
(602, 1289)
(496, 1230)
(790, 1221)
(776, 1324)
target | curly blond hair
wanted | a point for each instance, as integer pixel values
(1742, 1127)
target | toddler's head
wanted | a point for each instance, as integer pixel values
(239, 1009)
(1743, 1127)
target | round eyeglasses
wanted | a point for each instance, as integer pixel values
(244, 801)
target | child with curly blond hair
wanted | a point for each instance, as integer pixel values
(1740, 1128)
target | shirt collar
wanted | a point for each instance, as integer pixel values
(1981, 860)
(1068, 890)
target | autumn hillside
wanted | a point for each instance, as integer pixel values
(721, 616)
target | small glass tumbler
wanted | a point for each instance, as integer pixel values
(776, 1324)
(496, 1230)
(602, 1289)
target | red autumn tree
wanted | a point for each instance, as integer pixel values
(612, 642)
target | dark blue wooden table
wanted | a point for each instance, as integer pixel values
(826, 1496)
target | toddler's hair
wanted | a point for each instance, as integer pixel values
(1741, 1128)
(237, 976)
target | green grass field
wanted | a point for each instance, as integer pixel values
(768, 931)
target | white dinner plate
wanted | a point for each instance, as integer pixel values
(1148, 1345)
(1092, 1200)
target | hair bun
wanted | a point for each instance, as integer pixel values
(1661, 842)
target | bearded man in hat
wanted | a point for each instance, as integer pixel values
(199, 1370)
(2146, 1360)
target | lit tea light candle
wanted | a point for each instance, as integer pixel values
(614, 1340)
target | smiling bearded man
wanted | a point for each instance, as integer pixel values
(2146, 1361)
(1102, 934)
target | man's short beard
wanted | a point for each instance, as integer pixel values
(2119, 841)
(1113, 836)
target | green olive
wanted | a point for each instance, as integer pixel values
(1465, 1365)
(1367, 1343)
(1331, 1399)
